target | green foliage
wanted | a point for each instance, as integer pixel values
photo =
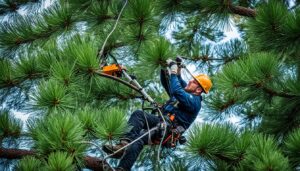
(252, 76)
(232, 50)
(227, 150)
(8, 75)
(27, 68)
(60, 131)
(59, 16)
(60, 161)
(45, 58)
(220, 104)
(112, 124)
(177, 164)
(56, 161)
(281, 117)
(140, 36)
(25, 31)
(63, 72)
(211, 141)
(219, 9)
(275, 28)
(88, 118)
(99, 13)
(263, 83)
(292, 86)
(9, 125)
(142, 21)
(84, 52)
(219, 166)
(196, 31)
(170, 7)
(29, 163)
(291, 147)
(263, 154)
(52, 96)
(155, 55)
(140, 12)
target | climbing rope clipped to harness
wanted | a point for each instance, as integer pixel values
(174, 133)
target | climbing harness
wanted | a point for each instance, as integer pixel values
(174, 133)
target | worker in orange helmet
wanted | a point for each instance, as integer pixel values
(184, 103)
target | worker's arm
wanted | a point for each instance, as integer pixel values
(182, 82)
(181, 95)
(165, 81)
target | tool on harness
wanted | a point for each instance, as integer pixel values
(173, 135)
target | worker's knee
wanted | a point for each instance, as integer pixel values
(138, 113)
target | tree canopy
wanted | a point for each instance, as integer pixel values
(50, 58)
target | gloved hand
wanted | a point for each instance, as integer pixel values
(172, 66)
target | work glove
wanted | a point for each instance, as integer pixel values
(172, 66)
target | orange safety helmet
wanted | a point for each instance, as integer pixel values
(204, 82)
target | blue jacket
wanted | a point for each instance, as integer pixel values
(188, 105)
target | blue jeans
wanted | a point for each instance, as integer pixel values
(138, 121)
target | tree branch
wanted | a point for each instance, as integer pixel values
(242, 11)
(93, 163)
(280, 94)
(204, 58)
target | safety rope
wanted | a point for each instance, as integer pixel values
(162, 139)
(149, 136)
(115, 26)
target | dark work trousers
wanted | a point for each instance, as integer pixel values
(138, 121)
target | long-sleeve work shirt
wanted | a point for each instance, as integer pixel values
(188, 105)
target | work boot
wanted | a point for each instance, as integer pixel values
(109, 149)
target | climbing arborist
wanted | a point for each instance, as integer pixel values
(185, 103)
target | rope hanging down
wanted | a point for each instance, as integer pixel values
(115, 26)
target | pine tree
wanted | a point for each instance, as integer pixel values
(50, 53)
